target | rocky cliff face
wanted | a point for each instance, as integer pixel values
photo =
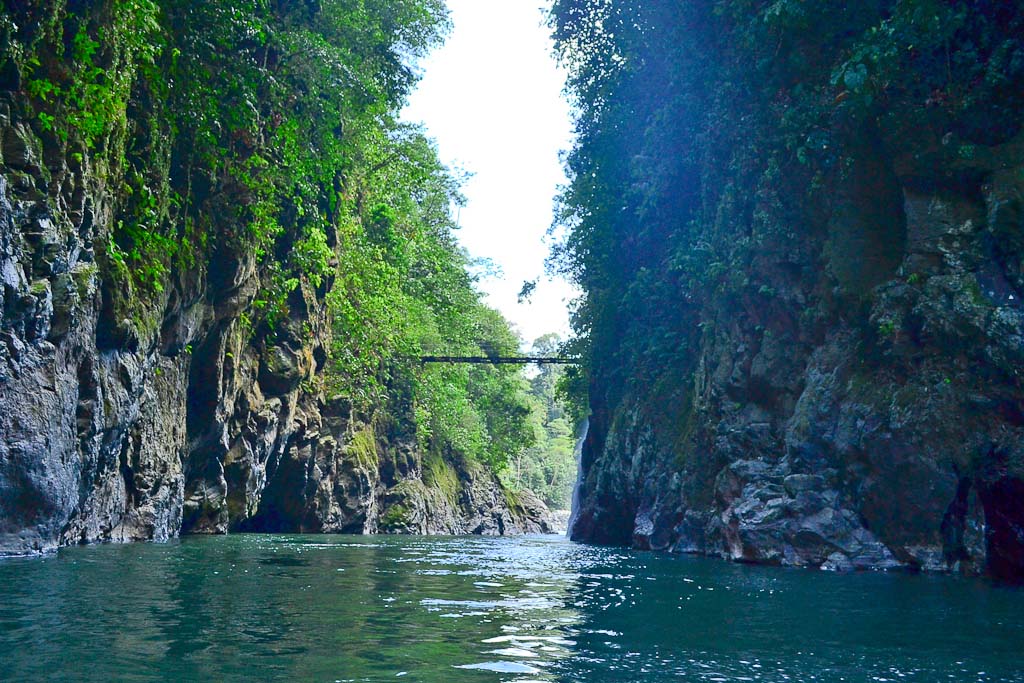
(170, 416)
(863, 407)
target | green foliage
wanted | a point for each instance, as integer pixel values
(249, 136)
(89, 78)
(313, 256)
(82, 68)
(710, 134)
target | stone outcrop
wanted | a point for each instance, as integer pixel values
(139, 422)
(863, 408)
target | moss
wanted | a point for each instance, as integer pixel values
(395, 518)
(84, 276)
(402, 502)
(973, 291)
(512, 500)
(363, 446)
(887, 328)
(687, 429)
(441, 475)
(147, 316)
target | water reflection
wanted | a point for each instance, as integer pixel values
(485, 610)
(673, 618)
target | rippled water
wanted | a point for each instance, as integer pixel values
(315, 608)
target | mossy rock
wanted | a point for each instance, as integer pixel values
(515, 506)
(363, 448)
(40, 288)
(84, 276)
(280, 370)
(396, 518)
(441, 475)
(402, 502)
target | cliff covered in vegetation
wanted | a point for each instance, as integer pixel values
(799, 231)
(221, 257)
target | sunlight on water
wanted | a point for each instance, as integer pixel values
(522, 610)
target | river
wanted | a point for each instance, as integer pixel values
(333, 608)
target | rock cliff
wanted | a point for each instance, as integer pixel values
(144, 406)
(821, 429)
(181, 422)
(805, 304)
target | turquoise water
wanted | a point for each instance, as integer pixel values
(332, 608)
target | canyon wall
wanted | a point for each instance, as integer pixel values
(799, 230)
(151, 384)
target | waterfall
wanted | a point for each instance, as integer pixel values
(575, 509)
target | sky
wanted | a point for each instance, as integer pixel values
(492, 99)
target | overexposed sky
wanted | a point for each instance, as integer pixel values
(492, 99)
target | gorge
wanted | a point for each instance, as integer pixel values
(259, 421)
(797, 229)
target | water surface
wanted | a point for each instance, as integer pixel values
(453, 610)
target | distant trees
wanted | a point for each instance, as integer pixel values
(548, 467)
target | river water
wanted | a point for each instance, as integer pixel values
(332, 608)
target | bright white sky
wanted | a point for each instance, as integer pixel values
(492, 99)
